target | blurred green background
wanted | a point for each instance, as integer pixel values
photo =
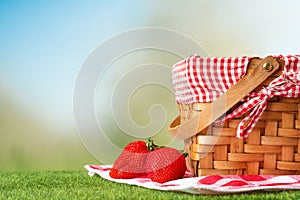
(44, 43)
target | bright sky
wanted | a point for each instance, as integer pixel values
(44, 43)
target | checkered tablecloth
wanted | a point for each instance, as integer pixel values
(214, 184)
(198, 79)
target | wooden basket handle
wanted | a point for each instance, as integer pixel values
(225, 102)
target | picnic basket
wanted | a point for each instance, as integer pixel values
(264, 96)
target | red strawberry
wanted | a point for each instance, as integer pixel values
(165, 164)
(131, 162)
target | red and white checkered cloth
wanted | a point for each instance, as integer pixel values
(213, 184)
(197, 79)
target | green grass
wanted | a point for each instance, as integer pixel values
(78, 185)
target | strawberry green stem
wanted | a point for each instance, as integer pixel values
(185, 154)
(150, 145)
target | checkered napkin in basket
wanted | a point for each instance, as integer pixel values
(198, 79)
(213, 184)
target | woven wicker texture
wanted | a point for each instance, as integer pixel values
(272, 148)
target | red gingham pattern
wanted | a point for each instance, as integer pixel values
(197, 79)
(286, 85)
(205, 79)
(213, 184)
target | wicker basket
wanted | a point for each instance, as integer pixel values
(272, 148)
